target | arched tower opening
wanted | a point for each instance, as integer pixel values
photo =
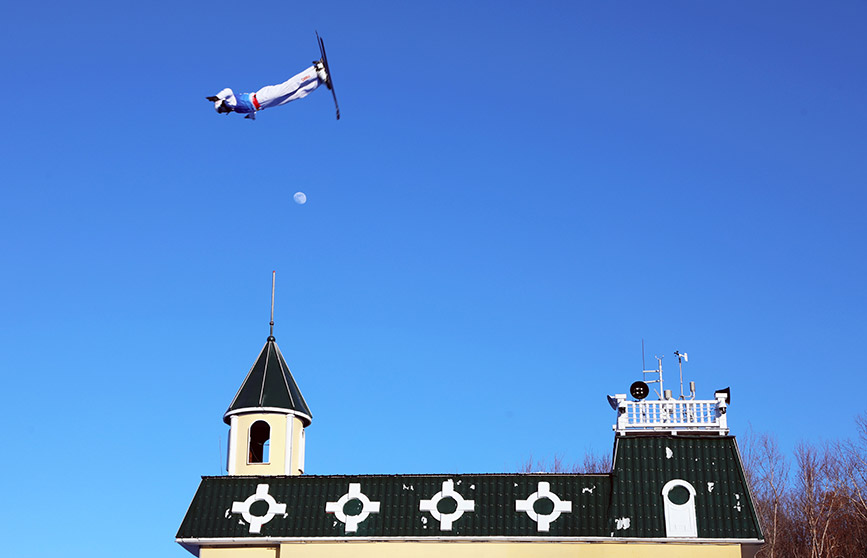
(259, 443)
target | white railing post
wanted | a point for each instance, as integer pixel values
(670, 415)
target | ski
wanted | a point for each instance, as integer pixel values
(330, 82)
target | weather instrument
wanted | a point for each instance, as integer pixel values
(637, 412)
(681, 358)
(641, 389)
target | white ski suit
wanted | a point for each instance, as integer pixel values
(296, 87)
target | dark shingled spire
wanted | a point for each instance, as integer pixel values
(270, 386)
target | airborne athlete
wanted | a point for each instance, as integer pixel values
(296, 87)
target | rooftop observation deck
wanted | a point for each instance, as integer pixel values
(671, 416)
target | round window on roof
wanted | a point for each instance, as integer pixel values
(678, 495)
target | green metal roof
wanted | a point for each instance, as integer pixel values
(711, 465)
(269, 385)
(627, 503)
(215, 512)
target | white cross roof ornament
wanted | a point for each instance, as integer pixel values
(256, 521)
(352, 521)
(446, 519)
(543, 521)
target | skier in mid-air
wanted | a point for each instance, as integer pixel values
(296, 87)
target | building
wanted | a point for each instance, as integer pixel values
(676, 489)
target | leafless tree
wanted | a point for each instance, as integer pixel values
(767, 472)
(816, 498)
(817, 509)
(851, 459)
(854, 455)
(596, 463)
(592, 463)
(556, 465)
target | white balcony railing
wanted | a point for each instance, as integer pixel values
(671, 415)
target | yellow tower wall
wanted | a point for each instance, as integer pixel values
(296, 460)
(286, 446)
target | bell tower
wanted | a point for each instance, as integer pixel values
(267, 417)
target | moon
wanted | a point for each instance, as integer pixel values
(300, 198)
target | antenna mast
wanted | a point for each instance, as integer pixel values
(643, 366)
(680, 358)
(273, 284)
(658, 380)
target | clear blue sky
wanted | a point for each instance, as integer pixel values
(517, 194)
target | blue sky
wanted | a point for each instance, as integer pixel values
(517, 194)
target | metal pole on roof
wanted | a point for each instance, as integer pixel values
(273, 284)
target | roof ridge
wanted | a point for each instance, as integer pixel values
(265, 372)
(282, 362)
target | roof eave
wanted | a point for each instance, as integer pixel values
(305, 418)
(233, 541)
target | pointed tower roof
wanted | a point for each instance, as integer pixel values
(269, 386)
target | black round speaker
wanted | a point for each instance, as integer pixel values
(639, 390)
